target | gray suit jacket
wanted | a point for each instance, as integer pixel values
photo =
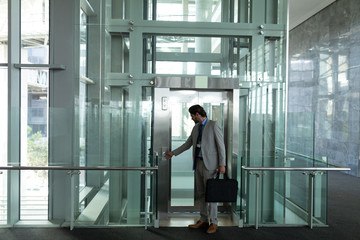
(212, 145)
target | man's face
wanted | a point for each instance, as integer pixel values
(195, 117)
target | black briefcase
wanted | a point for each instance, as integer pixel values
(221, 190)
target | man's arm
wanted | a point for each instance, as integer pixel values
(188, 144)
(219, 139)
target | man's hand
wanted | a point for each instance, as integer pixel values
(169, 155)
(221, 169)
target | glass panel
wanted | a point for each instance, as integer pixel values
(3, 31)
(34, 109)
(83, 96)
(34, 142)
(320, 197)
(115, 130)
(118, 197)
(3, 196)
(118, 9)
(295, 184)
(285, 210)
(3, 109)
(273, 60)
(117, 52)
(3, 143)
(83, 44)
(261, 144)
(242, 11)
(105, 205)
(238, 11)
(182, 175)
(226, 57)
(188, 11)
(83, 132)
(146, 113)
(282, 10)
(147, 156)
(35, 31)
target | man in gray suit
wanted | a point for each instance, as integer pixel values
(209, 158)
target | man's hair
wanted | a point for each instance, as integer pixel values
(197, 109)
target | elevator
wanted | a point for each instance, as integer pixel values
(172, 126)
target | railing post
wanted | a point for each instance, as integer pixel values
(257, 189)
(311, 199)
(146, 173)
(72, 197)
(257, 200)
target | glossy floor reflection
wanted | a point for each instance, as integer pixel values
(184, 221)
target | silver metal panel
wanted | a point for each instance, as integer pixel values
(234, 115)
(161, 143)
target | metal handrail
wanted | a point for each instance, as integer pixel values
(307, 157)
(294, 169)
(311, 175)
(75, 168)
(144, 170)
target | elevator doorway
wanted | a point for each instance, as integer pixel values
(172, 127)
(181, 173)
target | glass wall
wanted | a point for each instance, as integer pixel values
(108, 197)
(3, 108)
(119, 44)
(189, 11)
(190, 55)
(292, 205)
(84, 80)
(34, 135)
(34, 31)
(101, 98)
(237, 11)
(190, 38)
(3, 143)
(34, 109)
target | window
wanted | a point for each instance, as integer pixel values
(34, 109)
(215, 56)
(188, 11)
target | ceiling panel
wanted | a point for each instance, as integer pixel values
(300, 10)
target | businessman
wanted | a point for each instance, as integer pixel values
(208, 159)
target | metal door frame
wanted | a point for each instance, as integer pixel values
(161, 126)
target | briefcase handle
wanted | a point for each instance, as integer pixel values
(225, 175)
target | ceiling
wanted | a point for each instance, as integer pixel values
(300, 10)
